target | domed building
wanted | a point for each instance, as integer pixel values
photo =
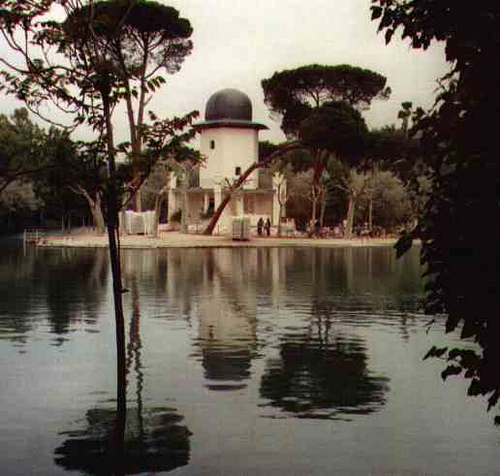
(230, 144)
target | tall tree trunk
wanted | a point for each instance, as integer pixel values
(314, 209)
(370, 212)
(97, 217)
(184, 207)
(322, 209)
(217, 214)
(316, 196)
(137, 201)
(370, 204)
(95, 208)
(114, 253)
(158, 203)
(350, 216)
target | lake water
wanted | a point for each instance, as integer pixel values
(239, 362)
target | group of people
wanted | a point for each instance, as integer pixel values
(264, 226)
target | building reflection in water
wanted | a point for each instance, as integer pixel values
(237, 301)
(227, 340)
(140, 440)
(218, 291)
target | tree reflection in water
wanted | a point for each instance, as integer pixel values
(136, 441)
(158, 443)
(72, 284)
(321, 376)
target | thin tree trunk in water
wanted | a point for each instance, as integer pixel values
(114, 254)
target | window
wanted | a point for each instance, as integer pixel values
(212, 144)
(237, 171)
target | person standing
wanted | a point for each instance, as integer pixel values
(260, 225)
(267, 226)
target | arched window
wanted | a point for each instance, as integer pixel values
(212, 144)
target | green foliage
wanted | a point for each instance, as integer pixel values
(20, 147)
(63, 171)
(316, 84)
(389, 145)
(19, 199)
(298, 206)
(338, 128)
(42, 169)
(293, 94)
(116, 48)
(266, 148)
(132, 30)
(320, 105)
(97, 56)
(458, 144)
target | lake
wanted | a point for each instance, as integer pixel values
(244, 361)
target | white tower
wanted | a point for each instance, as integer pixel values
(230, 144)
(229, 139)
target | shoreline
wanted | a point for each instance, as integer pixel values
(173, 239)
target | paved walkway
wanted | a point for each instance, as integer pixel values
(174, 239)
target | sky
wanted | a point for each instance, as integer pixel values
(238, 43)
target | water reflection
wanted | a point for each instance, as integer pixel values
(159, 442)
(74, 286)
(228, 316)
(308, 334)
(322, 373)
(356, 273)
(67, 284)
(134, 441)
(228, 293)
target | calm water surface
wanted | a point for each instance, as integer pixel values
(239, 362)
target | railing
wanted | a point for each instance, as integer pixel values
(33, 235)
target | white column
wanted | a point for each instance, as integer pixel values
(239, 203)
(217, 196)
(205, 202)
(172, 203)
(277, 179)
(276, 208)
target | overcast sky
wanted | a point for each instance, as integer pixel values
(238, 43)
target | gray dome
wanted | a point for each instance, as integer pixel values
(229, 104)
